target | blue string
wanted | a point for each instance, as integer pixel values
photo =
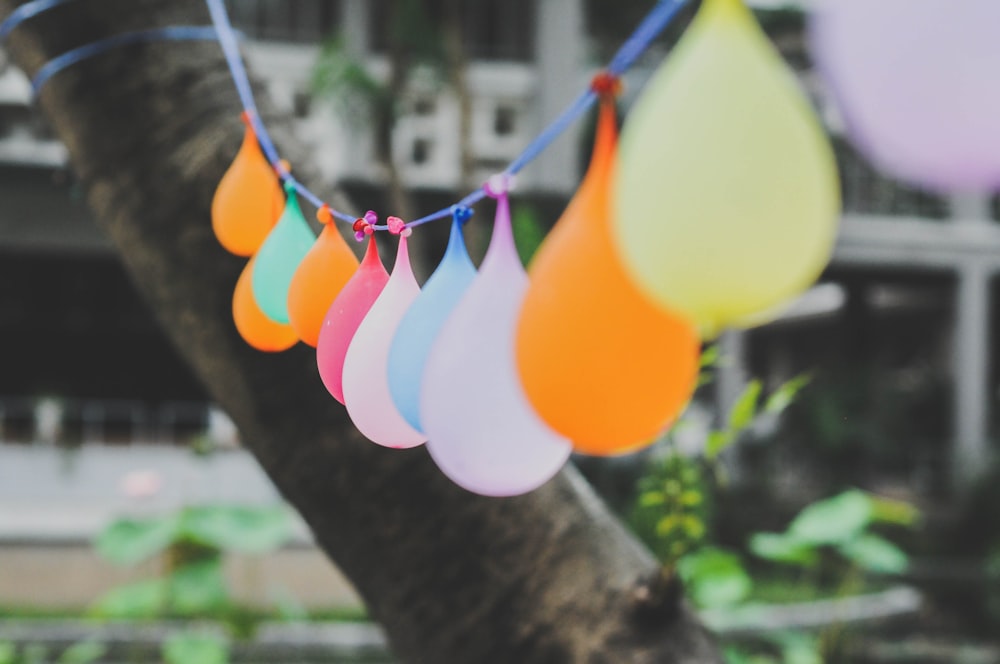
(654, 23)
(69, 58)
(26, 11)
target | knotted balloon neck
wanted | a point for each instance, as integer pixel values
(365, 225)
(371, 253)
(606, 85)
(402, 255)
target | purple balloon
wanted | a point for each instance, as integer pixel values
(916, 82)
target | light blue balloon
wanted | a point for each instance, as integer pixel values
(278, 258)
(423, 320)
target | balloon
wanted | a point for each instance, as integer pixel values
(321, 275)
(248, 199)
(726, 199)
(279, 257)
(366, 379)
(482, 431)
(344, 317)
(257, 329)
(600, 363)
(420, 326)
(914, 81)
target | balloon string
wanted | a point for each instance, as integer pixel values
(652, 25)
(70, 58)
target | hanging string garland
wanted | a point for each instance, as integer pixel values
(720, 207)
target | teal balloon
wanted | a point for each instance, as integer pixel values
(278, 258)
(420, 325)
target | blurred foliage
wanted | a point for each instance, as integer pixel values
(826, 547)
(528, 232)
(191, 543)
(195, 648)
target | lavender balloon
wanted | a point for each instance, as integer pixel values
(481, 430)
(916, 83)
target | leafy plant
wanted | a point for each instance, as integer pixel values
(840, 524)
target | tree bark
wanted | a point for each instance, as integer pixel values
(549, 577)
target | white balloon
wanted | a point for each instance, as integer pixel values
(366, 375)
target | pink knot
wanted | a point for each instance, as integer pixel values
(397, 226)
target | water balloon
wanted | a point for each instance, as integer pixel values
(321, 275)
(420, 326)
(258, 330)
(913, 81)
(248, 199)
(601, 363)
(279, 257)
(726, 198)
(366, 379)
(345, 315)
(482, 432)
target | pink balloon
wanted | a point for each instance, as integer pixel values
(482, 432)
(344, 317)
(366, 367)
(915, 81)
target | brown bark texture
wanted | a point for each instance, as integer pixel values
(453, 578)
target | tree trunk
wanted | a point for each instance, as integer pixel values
(549, 577)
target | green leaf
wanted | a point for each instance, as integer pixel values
(84, 652)
(197, 588)
(651, 498)
(715, 578)
(128, 541)
(710, 357)
(8, 653)
(745, 409)
(718, 441)
(193, 648)
(875, 554)
(145, 599)
(780, 548)
(781, 398)
(238, 528)
(834, 520)
(895, 512)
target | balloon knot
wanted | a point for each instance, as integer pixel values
(371, 217)
(605, 85)
(499, 185)
(398, 227)
(461, 213)
(361, 229)
(325, 215)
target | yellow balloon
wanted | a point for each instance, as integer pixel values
(727, 196)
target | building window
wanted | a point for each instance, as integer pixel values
(491, 29)
(504, 120)
(421, 151)
(285, 20)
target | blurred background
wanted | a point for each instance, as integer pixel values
(868, 408)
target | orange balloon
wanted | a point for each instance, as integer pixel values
(248, 200)
(317, 282)
(257, 329)
(601, 364)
